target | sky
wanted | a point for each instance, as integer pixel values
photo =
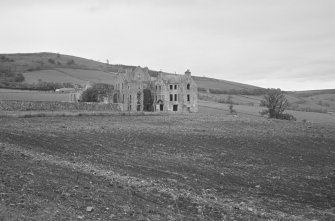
(287, 44)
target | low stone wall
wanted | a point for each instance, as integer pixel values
(56, 106)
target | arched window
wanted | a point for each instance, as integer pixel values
(188, 86)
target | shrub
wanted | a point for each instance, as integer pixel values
(51, 61)
(286, 117)
(70, 62)
(231, 109)
(19, 77)
(201, 89)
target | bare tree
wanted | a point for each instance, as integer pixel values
(276, 103)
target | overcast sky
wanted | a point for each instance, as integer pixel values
(288, 44)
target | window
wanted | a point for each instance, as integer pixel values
(175, 97)
(171, 86)
(171, 97)
(175, 87)
(156, 87)
(188, 86)
(188, 97)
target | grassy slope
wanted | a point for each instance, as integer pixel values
(212, 83)
(75, 73)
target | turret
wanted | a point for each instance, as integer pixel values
(188, 72)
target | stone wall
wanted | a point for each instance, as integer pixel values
(56, 106)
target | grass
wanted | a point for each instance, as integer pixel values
(214, 108)
(24, 95)
(29, 114)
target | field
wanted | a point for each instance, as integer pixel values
(253, 111)
(64, 75)
(169, 167)
(311, 103)
(26, 95)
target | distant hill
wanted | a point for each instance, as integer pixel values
(53, 67)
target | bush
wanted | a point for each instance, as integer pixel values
(51, 61)
(19, 77)
(286, 117)
(5, 59)
(281, 116)
(201, 89)
(70, 62)
(231, 109)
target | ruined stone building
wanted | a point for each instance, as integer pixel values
(136, 90)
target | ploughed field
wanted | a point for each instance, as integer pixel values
(169, 167)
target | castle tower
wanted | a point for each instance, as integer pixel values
(188, 72)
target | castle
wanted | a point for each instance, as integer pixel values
(135, 90)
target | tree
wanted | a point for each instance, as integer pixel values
(92, 94)
(231, 105)
(276, 102)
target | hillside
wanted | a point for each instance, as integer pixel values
(52, 67)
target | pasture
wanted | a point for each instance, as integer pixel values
(64, 75)
(205, 166)
(208, 107)
(26, 95)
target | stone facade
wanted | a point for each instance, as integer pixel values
(137, 91)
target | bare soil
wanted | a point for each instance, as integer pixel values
(172, 167)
